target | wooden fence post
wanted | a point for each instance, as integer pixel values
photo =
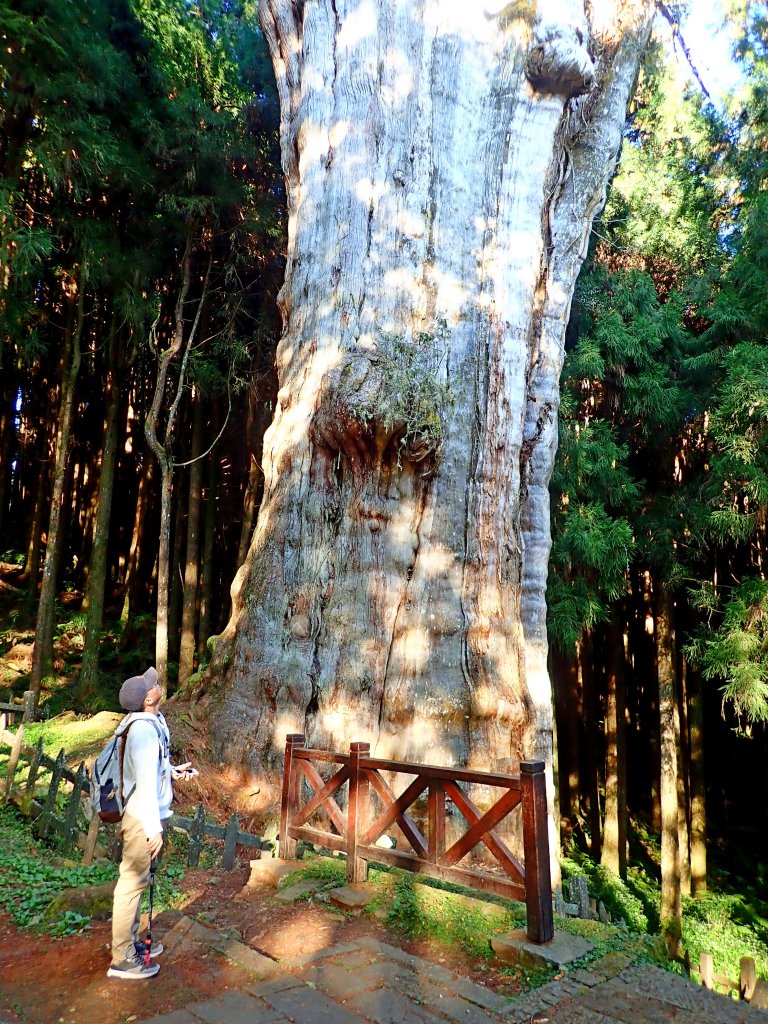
(196, 837)
(230, 843)
(707, 970)
(34, 768)
(538, 886)
(13, 762)
(357, 811)
(436, 822)
(29, 706)
(73, 806)
(289, 803)
(747, 978)
(89, 849)
(46, 815)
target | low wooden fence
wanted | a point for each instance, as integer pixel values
(749, 987)
(66, 824)
(355, 833)
(25, 708)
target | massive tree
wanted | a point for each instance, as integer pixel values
(444, 161)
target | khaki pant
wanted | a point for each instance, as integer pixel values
(131, 883)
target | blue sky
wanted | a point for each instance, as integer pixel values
(709, 44)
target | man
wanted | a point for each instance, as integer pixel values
(147, 792)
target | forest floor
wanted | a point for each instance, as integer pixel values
(44, 980)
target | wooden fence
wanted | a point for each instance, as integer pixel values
(749, 986)
(66, 824)
(355, 833)
(25, 708)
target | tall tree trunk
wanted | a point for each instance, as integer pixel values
(175, 576)
(569, 710)
(614, 852)
(442, 175)
(163, 451)
(97, 573)
(671, 912)
(590, 781)
(42, 655)
(698, 791)
(683, 832)
(7, 438)
(206, 585)
(133, 563)
(191, 567)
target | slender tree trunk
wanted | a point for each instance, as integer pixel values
(175, 576)
(614, 853)
(42, 657)
(671, 912)
(191, 566)
(97, 573)
(7, 438)
(206, 585)
(569, 713)
(133, 563)
(683, 832)
(591, 747)
(163, 452)
(698, 791)
(394, 590)
(35, 536)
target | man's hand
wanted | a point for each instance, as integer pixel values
(182, 772)
(154, 845)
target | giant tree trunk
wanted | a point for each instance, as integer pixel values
(444, 162)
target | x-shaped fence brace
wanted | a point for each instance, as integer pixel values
(356, 834)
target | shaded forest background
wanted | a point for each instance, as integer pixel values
(141, 239)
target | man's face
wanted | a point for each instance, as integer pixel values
(152, 700)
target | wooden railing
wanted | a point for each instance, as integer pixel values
(47, 820)
(356, 831)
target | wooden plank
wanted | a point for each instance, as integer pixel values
(431, 771)
(319, 838)
(335, 782)
(482, 880)
(309, 754)
(13, 762)
(45, 821)
(436, 821)
(328, 806)
(478, 833)
(394, 808)
(34, 768)
(289, 800)
(706, 969)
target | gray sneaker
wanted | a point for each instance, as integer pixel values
(157, 949)
(132, 969)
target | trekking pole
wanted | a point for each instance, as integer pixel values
(148, 940)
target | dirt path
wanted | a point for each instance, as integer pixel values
(63, 981)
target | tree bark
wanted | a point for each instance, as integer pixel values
(206, 583)
(42, 655)
(698, 790)
(443, 165)
(671, 912)
(191, 567)
(97, 571)
(133, 563)
(614, 852)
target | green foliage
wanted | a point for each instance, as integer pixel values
(737, 651)
(414, 394)
(29, 881)
(715, 923)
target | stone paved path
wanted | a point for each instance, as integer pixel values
(370, 982)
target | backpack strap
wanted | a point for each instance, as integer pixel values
(123, 736)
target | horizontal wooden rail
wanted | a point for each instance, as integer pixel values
(357, 830)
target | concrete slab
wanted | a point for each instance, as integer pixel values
(235, 1008)
(308, 1006)
(269, 871)
(299, 889)
(352, 897)
(515, 948)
